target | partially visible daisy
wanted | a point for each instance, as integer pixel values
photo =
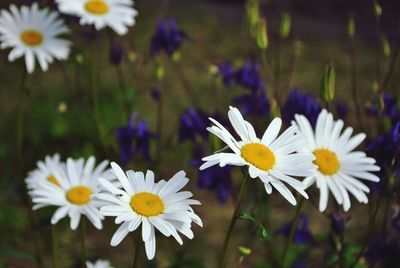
(77, 182)
(99, 264)
(155, 206)
(116, 14)
(33, 33)
(273, 158)
(45, 171)
(340, 169)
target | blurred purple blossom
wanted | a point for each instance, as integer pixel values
(193, 123)
(218, 179)
(116, 53)
(227, 72)
(338, 223)
(299, 102)
(249, 77)
(134, 139)
(341, 109)
(167, 37)
(390, 109)
(254, 103)
(383, 250)
(155, 92)
(302, 234)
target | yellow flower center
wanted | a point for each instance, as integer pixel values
(79, 195)
(327, 162)
(147, 204)
(53, 180)
(96, 7)
(31, 37)
(258, 155)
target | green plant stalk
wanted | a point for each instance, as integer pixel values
(292, 231)
(233, 220)
(83, 242)
(185, 84)
(136, 243)
(54, 244)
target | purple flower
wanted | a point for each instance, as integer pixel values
(383, 250)
(134, 140)
(193, 123)
(255, 103)
(155, 93)
(302, 234)
(390, 109)
(214, 178)
(385, 149)
(249, 77)
(167, 37)
(116, 53)
(299, 102)
(338, 223)
(226, 71)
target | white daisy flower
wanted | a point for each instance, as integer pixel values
(45, 171)
(33, 33)
(153, 205)
(272, 158)
(77, 182)
(339, 167)
(116, 14)
(99, 264)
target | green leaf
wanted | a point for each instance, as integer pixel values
(263, 234)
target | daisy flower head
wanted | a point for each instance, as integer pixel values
(272, 158)
(116, 14)
(153, 205)
(340, 169)
(33, 33)
(99, 264)
(72, 195)
(45, 171)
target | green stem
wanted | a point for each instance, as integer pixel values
(185, 84)
(83, 242)
(54, 238)
(292, 231)
(233, 220)
(21, 111)
(136, 243)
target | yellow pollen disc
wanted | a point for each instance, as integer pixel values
(31, 37)
(79, 195)
(327, 162)
(96, 7)
(258, 155)
(147, 204)
(53, 180)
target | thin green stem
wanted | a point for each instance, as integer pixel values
(292, 231)
(136, 243)
(54, 244)
(21, 114)
(235, 214)
(185, 84)
(83, 242)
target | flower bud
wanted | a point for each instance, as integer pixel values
(328, 83)
(286, 22)
(385, 46)
(351, 27)
(253, 17)
(262, 35)
(116, 53)
(377, 9)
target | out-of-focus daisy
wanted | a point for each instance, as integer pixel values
(116, 14)
(339, 167)
(76, 183)
(45, 171)
(33, 33)
(99, 264)
(272, 158)
(153, 205)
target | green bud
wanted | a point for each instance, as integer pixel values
(377, 9)
(284, 28)
(351, 27)
(328, 83)
(213, 69)
(275, 110)
(160, 72)
(62, 107)
(262, 34)
(385, 46)
(375, 86)
(176, 57)
(253, 17)
(244, 251)
(79, 59)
